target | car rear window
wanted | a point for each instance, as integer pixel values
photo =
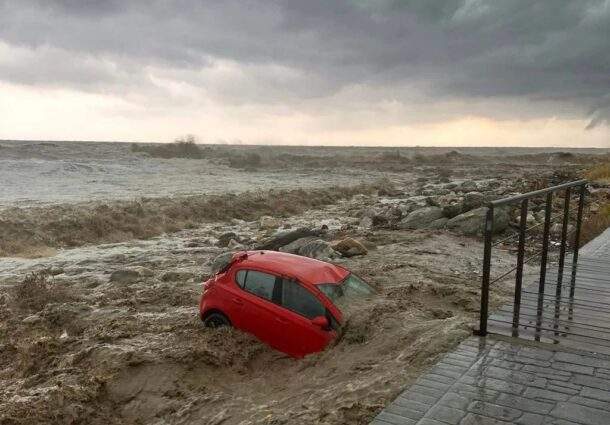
(298, 299)
(257, 283)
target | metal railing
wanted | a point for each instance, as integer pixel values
(542, 253)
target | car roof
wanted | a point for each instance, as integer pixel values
(304, 269)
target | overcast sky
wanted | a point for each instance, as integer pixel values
(376, 72)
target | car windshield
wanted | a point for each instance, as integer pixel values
(343, 293)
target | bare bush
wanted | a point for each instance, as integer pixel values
(595, 224)
(77, 225)
(35, 291)
(185, 147)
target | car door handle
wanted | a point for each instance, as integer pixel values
(279, 319)
(237, 301)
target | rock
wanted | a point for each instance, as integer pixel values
(349, 247)
(329, 223)
(268, 222)
(318, 249)
(284, 238)
(557, 227)
(419, 201)
(235, 246)
(372, 218)
(294, 246)
(467, 186)
(125, 276)
(389, 191)
(422, 217)
(530, 219)
(366, 223)
(438, 224)
(473, 222)
(221, 261)
(452, 210)
(472, 200)
(225, 238)
(54, 271)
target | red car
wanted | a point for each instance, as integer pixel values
(288, 301)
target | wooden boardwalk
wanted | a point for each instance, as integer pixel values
(562, 378)
(580, 322)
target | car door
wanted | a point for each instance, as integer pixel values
(300, 306)
(259, 313)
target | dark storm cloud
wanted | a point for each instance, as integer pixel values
(551, 50)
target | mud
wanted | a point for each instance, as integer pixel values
(109, 333)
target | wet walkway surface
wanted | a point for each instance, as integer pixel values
(580, 321)
(497, 380)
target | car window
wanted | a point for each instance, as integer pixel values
(240, 278)
(298, 299)
(260, 284)
(342, 294)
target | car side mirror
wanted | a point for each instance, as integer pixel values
(320, 321)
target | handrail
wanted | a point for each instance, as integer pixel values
(535, 193)
(521, 260)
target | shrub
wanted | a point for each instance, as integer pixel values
(248, 161)
(595, 224)
(599, 173)
(181, 148)
(35, 291)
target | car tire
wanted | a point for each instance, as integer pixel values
(216, 320)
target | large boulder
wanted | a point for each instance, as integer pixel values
(295, 246)
(225, 238)
(421, 218)
(381, 217)
(370, 221)
(473, 200)
(414, 203)
(221, 261)
(318, 249)
(438, 224)
(349, 247)
(268, 222)
(452, 210)
(284, 238)
(467, 186)
(473, 222)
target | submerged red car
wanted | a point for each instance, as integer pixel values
(288, 301)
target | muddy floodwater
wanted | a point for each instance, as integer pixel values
(35, 173)
(98, 312)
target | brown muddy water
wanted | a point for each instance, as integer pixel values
(109, 333)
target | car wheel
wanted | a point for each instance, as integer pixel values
(216, 320)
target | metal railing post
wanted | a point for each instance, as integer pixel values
(581, 202)
(489, 220)
(519, 273)
(545, 250)
(562, 253)
(487, 282)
